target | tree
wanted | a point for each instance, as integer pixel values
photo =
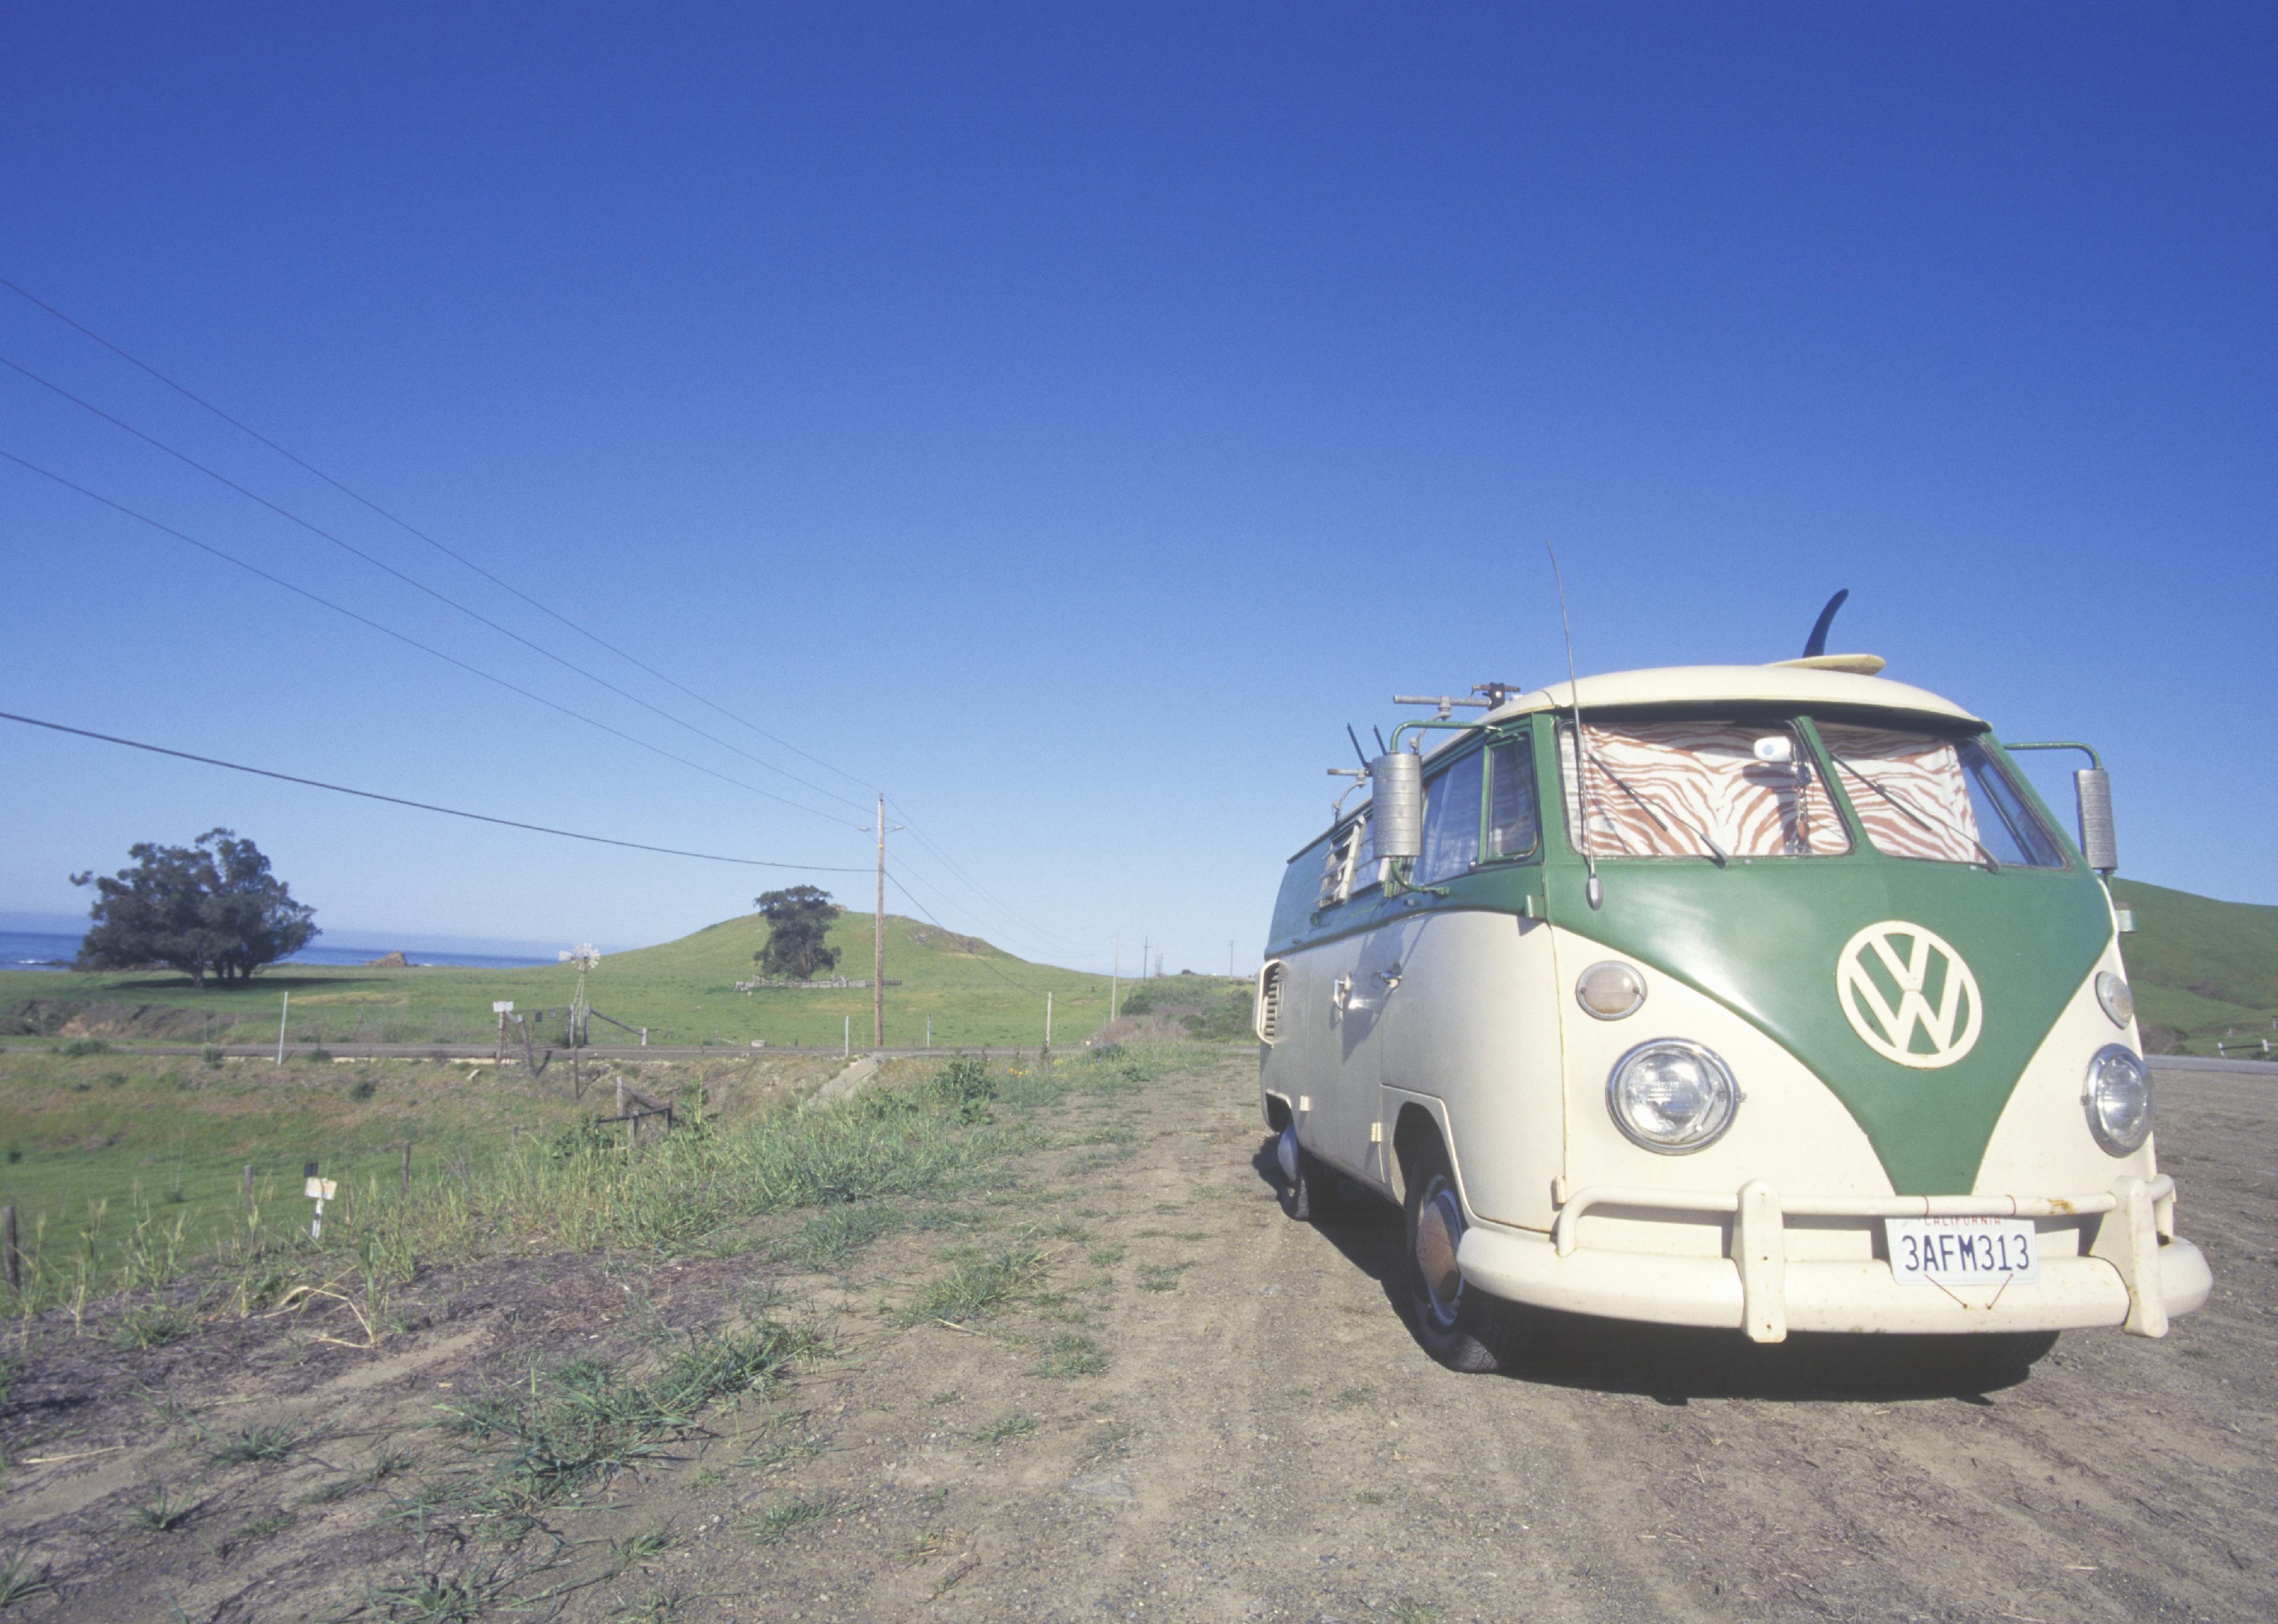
(798, 918)
(209, 907)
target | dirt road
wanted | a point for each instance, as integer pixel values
(1179, 1405)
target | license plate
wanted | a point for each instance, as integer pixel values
(1962, 1251)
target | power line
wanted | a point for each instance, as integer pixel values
(462, 559)
(422, 806)
(400, 637)
(1002, 907)
(896, 884)
(412, 581)
(405, 524)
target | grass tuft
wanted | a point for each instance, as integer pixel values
(978, 1288)
(1013, 1426)
(1071, 1354)
(159, 1514)
(257, 1444)
(20, 1578)
(152, 1325)
(781, 1520)
(645, 1546)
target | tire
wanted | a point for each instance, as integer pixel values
(1462, 1327)
(1309, 1189)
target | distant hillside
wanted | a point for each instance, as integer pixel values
(682, 991)
(2201, 968)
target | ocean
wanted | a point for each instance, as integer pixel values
(42, 950)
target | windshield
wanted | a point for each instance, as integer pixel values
(1938, 799)
(1712, 789)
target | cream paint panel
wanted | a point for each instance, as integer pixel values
(1790, 1131)
(1319, 1070)
(1475, 1023)
(2042, 1145)
(1302, 1064)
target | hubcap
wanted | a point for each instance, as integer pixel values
(1439, 1230)
(1284, 1151)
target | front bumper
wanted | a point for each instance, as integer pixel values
(2136, 1273)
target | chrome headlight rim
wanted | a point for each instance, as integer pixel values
(1722, 1118)
(2113, 1145)
(1618, 967)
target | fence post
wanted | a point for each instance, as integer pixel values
(15, 1261)
(407, 1169)
(283, 1010)
(848, 1041)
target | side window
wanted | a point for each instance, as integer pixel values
(1514, 818)
(1451, 821)
(1351, 865)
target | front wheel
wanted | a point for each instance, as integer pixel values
(1464, 1330)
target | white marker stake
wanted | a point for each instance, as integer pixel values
(284, 1010)
(850, 1035)
(319, 1191)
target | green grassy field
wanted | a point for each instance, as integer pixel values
(682, 991)
(2202, 968)
(122, 1162)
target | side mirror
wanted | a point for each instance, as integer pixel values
(1397, 799)
(2093, 786)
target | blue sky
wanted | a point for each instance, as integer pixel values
(1069, 421)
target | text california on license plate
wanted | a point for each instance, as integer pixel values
(1962, 1251)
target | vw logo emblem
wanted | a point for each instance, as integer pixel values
(1935, 1017)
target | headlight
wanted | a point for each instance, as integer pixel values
(1609, 991)
(2118, 998)
(2119, 1101)
(1671, 1096)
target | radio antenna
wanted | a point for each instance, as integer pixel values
(1595, 890)
(1356, 741)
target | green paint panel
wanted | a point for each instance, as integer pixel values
(1763, 937)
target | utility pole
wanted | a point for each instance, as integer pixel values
(878, 939)
(1116, 974)
(1143, 944)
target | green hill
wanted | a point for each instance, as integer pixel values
(683, 991)
(2202, 969)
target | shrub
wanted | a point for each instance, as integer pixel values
(78, 1047)
(210, 1055)
(363, 1090)
(321, 1055)
(963, 1079)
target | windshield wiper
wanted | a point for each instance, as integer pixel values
(1992, 863)
(1717, 854)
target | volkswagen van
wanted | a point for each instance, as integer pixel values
(1760, 997)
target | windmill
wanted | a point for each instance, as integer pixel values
(585, 955)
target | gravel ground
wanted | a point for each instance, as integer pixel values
(1188, 1407)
